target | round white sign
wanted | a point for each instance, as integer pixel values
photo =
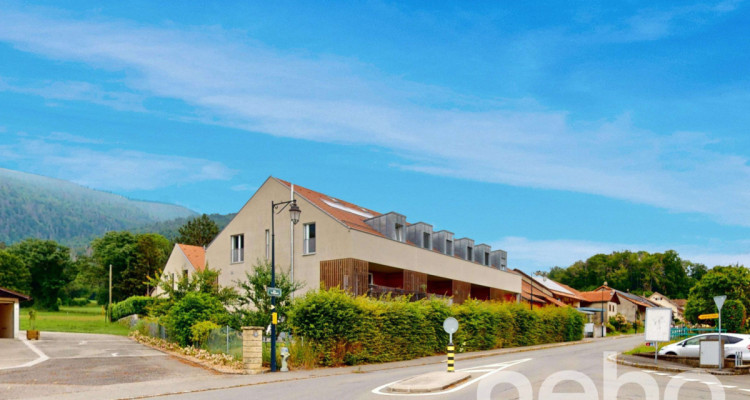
(450, 325)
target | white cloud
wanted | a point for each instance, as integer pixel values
(531, 255)
(70, 138)
(77, 91)
(113, 169)
(234, 81)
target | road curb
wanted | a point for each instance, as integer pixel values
(666, 368)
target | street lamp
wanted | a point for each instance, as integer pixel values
(294, 213)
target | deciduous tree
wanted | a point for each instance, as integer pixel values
(199, 231)
(50, 266)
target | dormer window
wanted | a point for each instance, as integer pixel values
(469, 253)
(426, 242)
(449, 247)
(486, 258)
(399, 232)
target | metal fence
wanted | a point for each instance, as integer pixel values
(225, 340)
(685, 332)
(153, 329)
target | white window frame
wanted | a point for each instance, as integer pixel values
(237, 246)
(306, 237)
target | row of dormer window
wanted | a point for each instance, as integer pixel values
(393, 226)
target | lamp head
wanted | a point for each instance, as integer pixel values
(294, 212)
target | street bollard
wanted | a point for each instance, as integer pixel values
(284, 359)
(451, 356)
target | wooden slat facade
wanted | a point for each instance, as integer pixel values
(415, 281)
(346, 273)
(461, 291)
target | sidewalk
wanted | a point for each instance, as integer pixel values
(181, 386)
(667, 366)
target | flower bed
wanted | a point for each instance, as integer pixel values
(219, 362)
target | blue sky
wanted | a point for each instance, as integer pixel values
(551, 130)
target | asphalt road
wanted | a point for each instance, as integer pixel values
(83, 361)
(535, 367)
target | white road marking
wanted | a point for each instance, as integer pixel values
(709, 383)
(41, 357)
(661, 374)
(82, 342)
(690, 379)
(500, 367)
(728, 386)
(110, 356)
(745, 390)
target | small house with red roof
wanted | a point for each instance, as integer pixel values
(184, 261)
(340, 244)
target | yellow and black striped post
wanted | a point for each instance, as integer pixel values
(451, 357)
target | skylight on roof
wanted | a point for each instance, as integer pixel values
(550, 284)
(348, 209)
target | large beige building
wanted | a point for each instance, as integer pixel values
(337, 243)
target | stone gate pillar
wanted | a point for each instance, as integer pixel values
(252, 349)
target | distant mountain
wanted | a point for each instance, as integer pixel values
(169, 229)
(47, 208)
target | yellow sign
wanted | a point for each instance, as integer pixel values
(708, 316)
(275, 320)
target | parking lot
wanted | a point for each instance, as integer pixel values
(77, 360)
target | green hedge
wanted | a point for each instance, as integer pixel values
(356, 330)
(131, 305)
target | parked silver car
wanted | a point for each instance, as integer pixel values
(733, 342)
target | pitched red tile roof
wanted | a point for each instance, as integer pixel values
(195, 254)
(680, 302)
(597, 296)
(353, 219)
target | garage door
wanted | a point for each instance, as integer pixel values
(6, 321)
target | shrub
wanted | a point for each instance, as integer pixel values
(131, 305)
(342, 329)
(191, 309)
(200, 332)
(78, 302)
(733, 315)
(619, 322)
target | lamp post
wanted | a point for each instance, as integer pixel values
(294, 213)
(603, 289)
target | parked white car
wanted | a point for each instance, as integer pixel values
(733, 342)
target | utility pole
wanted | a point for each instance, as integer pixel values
(109, 304)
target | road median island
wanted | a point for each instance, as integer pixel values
(429, 382)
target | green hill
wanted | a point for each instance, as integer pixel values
(169, 229)
(46, 208)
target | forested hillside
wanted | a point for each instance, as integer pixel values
(169, 228)
(33, 206)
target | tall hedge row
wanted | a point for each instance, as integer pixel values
(131, 305)
(356, 330)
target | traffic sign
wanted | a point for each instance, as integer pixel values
(450, 325)
(708, 316)
(720, 301)
(274, 291)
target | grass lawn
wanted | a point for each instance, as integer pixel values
(647, 349)
(88, 319)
